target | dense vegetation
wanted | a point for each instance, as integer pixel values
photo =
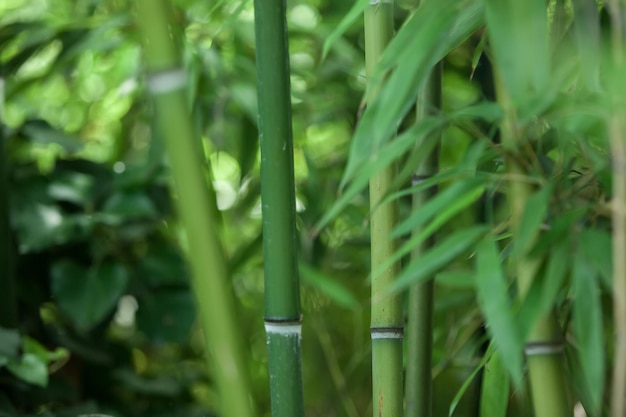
(496, 127)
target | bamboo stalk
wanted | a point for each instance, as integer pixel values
(8, 301)
(215, 301)
(419, 332)
(386, 316)
(282, 293)
(544, 345)
(617, 137)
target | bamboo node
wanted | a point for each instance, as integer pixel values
(286, 328)
(375, 2)
(167, 81)
(543, 348)
(387, 332)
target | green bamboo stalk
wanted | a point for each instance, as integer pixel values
(215, 301)
(617, 137)
(8, 300)
(387, 318)
(282, 293)
(544, 345)
(419, 332)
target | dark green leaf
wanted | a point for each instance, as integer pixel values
(87, 295)
(534, 216)
(166, 315)
(10, 342)
(130, 205)
(597, 247)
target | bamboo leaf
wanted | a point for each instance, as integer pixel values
(597, 247)
(438, 257)
(333, 289)
(519, 41)
(535, 212)
(352, 15)
(494, 394)
(493, 298)
(587, 312)
(468, 381)
(556, 271)
(434, 29)
(392, 151)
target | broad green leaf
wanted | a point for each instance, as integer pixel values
(352, 15)
(518, 34)
(493, 298)
(433, 30)
(597, 247)
(535, 212)
(130, 205)
(166, 315)
(87, 295)
(494, 393)
(30, 368)
(588, 328)
(333, 289)
(438, 257)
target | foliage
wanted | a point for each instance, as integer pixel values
(104, 300)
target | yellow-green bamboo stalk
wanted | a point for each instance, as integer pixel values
(215, 301)
(544, 346)
(386, 318)
(419, 331)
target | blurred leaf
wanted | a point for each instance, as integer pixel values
(349, 18)
(333, 289)
(597, 247)
(494, 393)
(518, 34)
(87, 295)
(455, 401)
(32, 346)
(42, 133)
(10, 342)
(493, 298)
(534, 216)
(163, 265)
(162, 386)
(438, 257)
(130, 205)
(73, 187)
(588, 41)
(588, 328)
(30, 368)
(166, 315)
(459, 278)
(558, 266)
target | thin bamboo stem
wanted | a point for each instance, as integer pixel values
(8, 301)
(215, 301)
(419, 332)
(386, 316)
(617, 137)
(545, 367)
(282, 292)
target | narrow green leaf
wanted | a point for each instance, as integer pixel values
(494, 393)
(493, 298)
(557, 268)
(438, 257)
(352, 15)
(587, 312)
(434, 29)
(333, 289)
(535, 212)
(457, 398)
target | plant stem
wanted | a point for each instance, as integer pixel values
(617, 137)
(282, 293)
(386, 319)
(8, 301)
(546, 373)
(215, 301)
(419, 332)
